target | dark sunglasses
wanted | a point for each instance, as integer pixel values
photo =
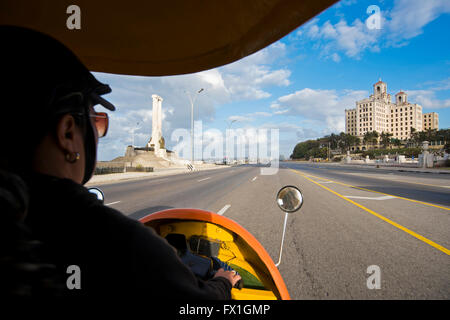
(101, 120)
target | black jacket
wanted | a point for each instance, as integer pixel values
(117, 256)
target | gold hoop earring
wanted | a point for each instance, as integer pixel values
(72, 157)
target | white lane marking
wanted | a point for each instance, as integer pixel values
(372, 198)
(324, 181)
(203, 179)
(254, 178)
(108, 204)
(222, 211)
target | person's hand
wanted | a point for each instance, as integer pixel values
(230, 275)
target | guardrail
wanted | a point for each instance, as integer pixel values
(108, 170)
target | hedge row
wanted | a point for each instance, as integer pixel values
(408, 152)
(108, 170)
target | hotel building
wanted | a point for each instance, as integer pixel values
(379, 113)
(430, 121)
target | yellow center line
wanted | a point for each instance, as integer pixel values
(386, 194)
(395, 224)
(403, 181)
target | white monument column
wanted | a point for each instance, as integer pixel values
(156, 123)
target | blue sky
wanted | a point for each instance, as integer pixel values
(302, 83)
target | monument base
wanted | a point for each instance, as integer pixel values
(149, 157)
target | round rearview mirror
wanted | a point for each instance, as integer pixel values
(98, 193)
(289, 199)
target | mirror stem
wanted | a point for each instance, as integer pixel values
(282, 239)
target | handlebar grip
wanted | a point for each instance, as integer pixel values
(239, 285)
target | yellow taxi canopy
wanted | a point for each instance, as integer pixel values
(165, 37)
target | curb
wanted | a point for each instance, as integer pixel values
(151, 175)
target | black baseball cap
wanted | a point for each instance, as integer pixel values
(38, 70)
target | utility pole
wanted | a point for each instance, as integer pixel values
(329, 146)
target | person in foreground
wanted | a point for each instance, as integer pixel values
(49, 131)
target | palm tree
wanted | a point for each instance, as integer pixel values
(396, 142)
(370, 138)
(366, 137)
(374, 138)
(348, 140)
(386, 139)
(414, 137)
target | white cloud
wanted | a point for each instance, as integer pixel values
(281, 111)
(335, 57)
(427, 99)
(351, 39)
(240, 118)
(404, 21)
(249, 116)
(345, 3)
(439, 85)
(260, 114)
(275, 106)
(325, 107)
(247, 79)
(408, 17)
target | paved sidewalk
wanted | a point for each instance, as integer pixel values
(445, 170)
(403, 169)
(97, 180)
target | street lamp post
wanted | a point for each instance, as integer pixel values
(231, 122)
(192, 121)
(133, 130)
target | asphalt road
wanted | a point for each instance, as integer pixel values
(351, 219)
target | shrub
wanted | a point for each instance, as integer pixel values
(408, 152)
